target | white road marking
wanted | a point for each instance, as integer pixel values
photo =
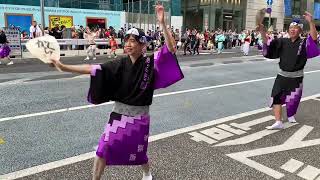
(90, 155)
(309, 173)
(247, 125)
(248, 57)
(17, 81)
(50, 112)
(292, 165)
(317, 99)
(183, 65)
(80, 76)
(197, 137)
(294, 142)
(157, 95)
(224, 85)
(216, 133)
(230, 129)
(253, 137)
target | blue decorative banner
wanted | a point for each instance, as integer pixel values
(287, 8)
(316, 11)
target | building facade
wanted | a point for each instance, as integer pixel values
(101, 13)
(240, 14)
(277, 15)
(294, 9)
(213, 14)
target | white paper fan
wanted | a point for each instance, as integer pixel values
(44, 48)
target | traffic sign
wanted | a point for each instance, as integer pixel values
(269, 2)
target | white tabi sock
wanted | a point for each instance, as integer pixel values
(292, 119)
(276, 125)
(147, 176)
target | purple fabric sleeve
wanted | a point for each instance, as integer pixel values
(167, 69)
(312, 48)
(93, 74)
(94, 69)
(264, 49)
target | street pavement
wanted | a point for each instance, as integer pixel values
(209, 126)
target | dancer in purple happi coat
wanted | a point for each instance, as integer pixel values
(293, 53)
(130, 82)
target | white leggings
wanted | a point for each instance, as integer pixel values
(91, 51)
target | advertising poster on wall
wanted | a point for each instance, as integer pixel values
(61, 20)
(21, 21)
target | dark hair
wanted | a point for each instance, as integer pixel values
(137, 38)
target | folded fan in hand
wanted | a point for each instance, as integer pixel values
(44, 48)
(260, 16)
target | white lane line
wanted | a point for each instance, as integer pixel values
(90, 155)
(157, 95)
(223, 85)
(80, 77)
(48, 166)
(50, 112)
(317, 99)
(17, 81)
(248, 57)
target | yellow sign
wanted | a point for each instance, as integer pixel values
(2, 141)
(61, 20)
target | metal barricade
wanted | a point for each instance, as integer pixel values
(70, 47)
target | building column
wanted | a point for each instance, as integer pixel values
(212, 17)
(206, 14)
(184, 14)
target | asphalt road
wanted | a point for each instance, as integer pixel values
(45, 118)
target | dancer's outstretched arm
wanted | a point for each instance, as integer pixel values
(313, 31)
(167, 34)
(81, 69)
(263, 33)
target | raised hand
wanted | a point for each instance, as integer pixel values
(160, 12)
(308, 17)
(313, 31)
(260, 28)
(56, 63)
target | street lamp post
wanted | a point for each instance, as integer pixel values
(42, 14)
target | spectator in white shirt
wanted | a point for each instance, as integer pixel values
(35, 30)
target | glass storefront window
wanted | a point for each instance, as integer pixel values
(296, 6)
(113, 5)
